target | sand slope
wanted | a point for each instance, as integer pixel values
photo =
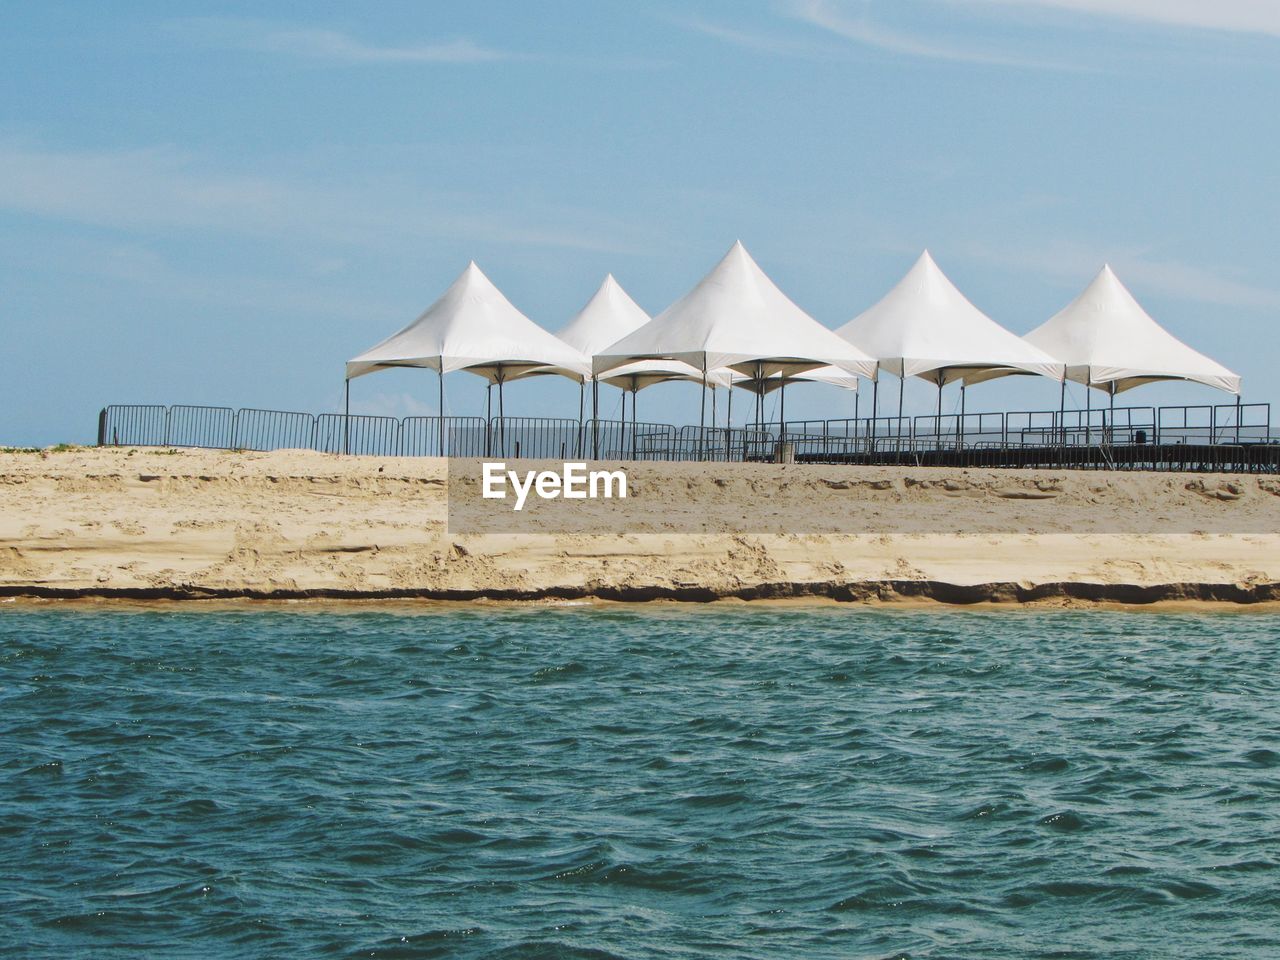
(285, 524)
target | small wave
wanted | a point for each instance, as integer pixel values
(562, 672)
(1064, 822)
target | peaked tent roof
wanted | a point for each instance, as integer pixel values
(474, 327)
(609, 316)
(1107, 340)
(736, 317)
(925, 327)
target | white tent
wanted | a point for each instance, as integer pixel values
(829, 375)
(924, 327)
(735, 317)
(763, 386)
(1108, 341)
(609, 316)
(473, 327)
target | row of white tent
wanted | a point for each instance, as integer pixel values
(736, 328)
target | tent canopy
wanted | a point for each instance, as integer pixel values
(609, 316)
(474, 327)
(829, 375)
(645, 373)
(924, 327)
(1108, 341)
(736, 317)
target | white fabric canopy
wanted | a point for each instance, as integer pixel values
(474, 327)
(1108, 341)
(829, 375)
(609, 316)
(645, 373)
(924, 327)
(736, 317)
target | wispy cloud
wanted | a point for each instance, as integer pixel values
(1074, 264)
(161, 189)
(1235, 16)
(331, 46)
(770, 43)
(847, 26)
(840, 20)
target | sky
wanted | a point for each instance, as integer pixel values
(220, 203)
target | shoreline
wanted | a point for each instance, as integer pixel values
(1001, 595)
(289, 526)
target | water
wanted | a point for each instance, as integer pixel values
(638, 782)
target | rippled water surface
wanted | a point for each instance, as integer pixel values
(638, 782)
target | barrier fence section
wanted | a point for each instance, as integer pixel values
(1222, 437)
(542, 438)
(273, 430)
(462, 437)
(627, 440)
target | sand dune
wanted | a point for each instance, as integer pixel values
(296, 524)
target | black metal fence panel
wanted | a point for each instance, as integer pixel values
(133, 425)
(358, 435)
(273, 430)
(625, 440)
(210, 427)
(462, 437)
(538, 438)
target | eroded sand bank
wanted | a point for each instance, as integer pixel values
(298, 524)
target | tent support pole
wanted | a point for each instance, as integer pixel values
(633, 418)
(1111, 389)
(440, 419)
(782, 409)
(1088, 412)
(1238, 419)
(488, 415)
(902, 384)
(960, 430)
(346, 418)
(728, 420)
(875, 409)
(937, 419)
(759, 397)
(582, 389)
(595, 419)
(1062, 415)
(702, 409)
(502, 415)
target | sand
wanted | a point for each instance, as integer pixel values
(292, 524)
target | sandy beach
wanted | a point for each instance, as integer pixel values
(152, 524)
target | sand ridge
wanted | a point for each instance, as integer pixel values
(106, 522)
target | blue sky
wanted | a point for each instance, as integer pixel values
(220, 203)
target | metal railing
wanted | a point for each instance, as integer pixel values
(443, 436)
(1223, 437)
(541, 438)
(357, 434)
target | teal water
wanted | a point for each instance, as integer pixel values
(670, 782)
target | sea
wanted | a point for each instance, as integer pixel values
(666, 781)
